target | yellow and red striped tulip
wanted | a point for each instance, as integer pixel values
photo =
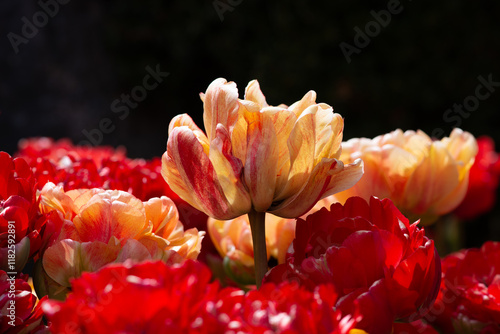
(257, 157)
(425, 178)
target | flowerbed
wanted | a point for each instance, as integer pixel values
(266, 222)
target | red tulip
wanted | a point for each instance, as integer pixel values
(21, 314)
(483, 181)
(373, 257)
(469, 299)
(21, 225)
(181, 299)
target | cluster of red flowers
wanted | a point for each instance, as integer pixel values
(18, 204)
(181, 299)
(103, 167)
(469, 298)
(372, 255)
(359, 265)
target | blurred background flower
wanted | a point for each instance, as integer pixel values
(233, 240)
(424, 178)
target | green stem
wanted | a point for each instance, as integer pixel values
(258, 227)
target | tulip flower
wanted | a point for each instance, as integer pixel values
(105, 226)
(372, 255)
(21, 311)
(469, 299)
(424, 178)
(255, 158)
(23, 230)
(181, 299)
(233, 240)
(483, 181)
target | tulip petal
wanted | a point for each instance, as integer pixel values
(68, 259)
(328, 177)
(108, 214)
(342, 179)
(301, 145)
(308, 100)
(220, 106)
(163, 214)
(53, 197)
(196, 183)
(135, 251)
(186, 120)
(229, 171)
(329, 130)
(262, 158)
(254, 94)
(419, 196)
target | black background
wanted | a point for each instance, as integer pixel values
(64, 80)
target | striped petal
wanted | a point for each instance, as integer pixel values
(229, 170)
(68, 259)
(220, 106)
(254, 94)
(262, 158)
(190, 174)
(328, 177)
(111, 213)
(301, 145)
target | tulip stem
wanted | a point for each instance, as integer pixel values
(258, 227)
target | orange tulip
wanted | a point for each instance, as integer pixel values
(424, 178)
(105, 226)
(254, 156)
(233, 240)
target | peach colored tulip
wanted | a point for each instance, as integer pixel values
(424, 178)
(257, 157)
(105, 226)
(233, 240)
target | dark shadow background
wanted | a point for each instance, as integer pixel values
(65, 78)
